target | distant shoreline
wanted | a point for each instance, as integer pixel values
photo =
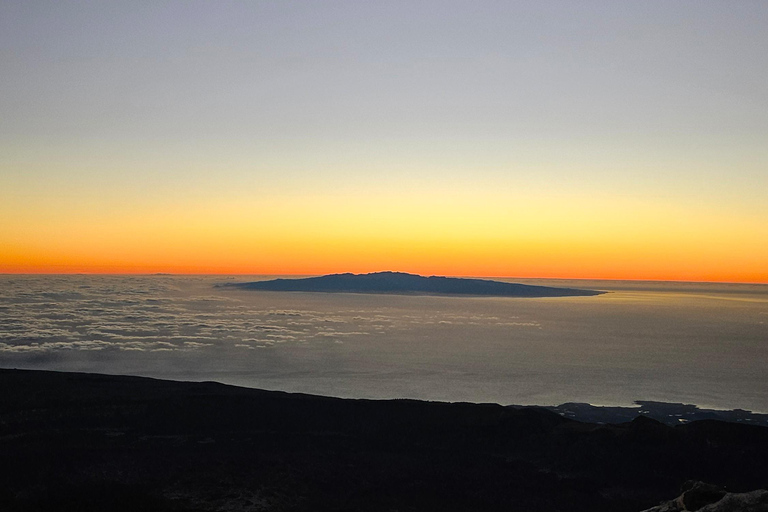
(669, 413)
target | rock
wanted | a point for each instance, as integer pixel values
(698, 494)
(755, 501)
(703, 497)
(670, 506)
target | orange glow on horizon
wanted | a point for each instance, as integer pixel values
(447, 269)
(453, 234)
(105, 270)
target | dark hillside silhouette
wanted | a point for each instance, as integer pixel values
(403, 283)
(84, 442)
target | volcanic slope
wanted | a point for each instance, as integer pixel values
(411, 284)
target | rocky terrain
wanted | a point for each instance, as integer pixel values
(705, 497)
(82, 442)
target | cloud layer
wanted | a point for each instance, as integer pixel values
(74, 313)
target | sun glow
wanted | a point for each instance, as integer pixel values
(449, 232)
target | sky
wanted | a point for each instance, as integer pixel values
(591, 139)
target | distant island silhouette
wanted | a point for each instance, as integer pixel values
(402, 283)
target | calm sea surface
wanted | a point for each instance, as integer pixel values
(705, 344)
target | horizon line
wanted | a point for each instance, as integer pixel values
(244, 274)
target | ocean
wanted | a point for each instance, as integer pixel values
(696, 343)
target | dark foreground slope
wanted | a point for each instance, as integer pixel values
(84, 442)
(402, 283)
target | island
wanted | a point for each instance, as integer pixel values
(401, 283)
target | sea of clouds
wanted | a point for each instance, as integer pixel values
(46, 314)
(697, 344)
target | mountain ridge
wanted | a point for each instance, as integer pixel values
(88, 442)
(402, 283)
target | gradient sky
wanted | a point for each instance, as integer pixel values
(606, 139)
